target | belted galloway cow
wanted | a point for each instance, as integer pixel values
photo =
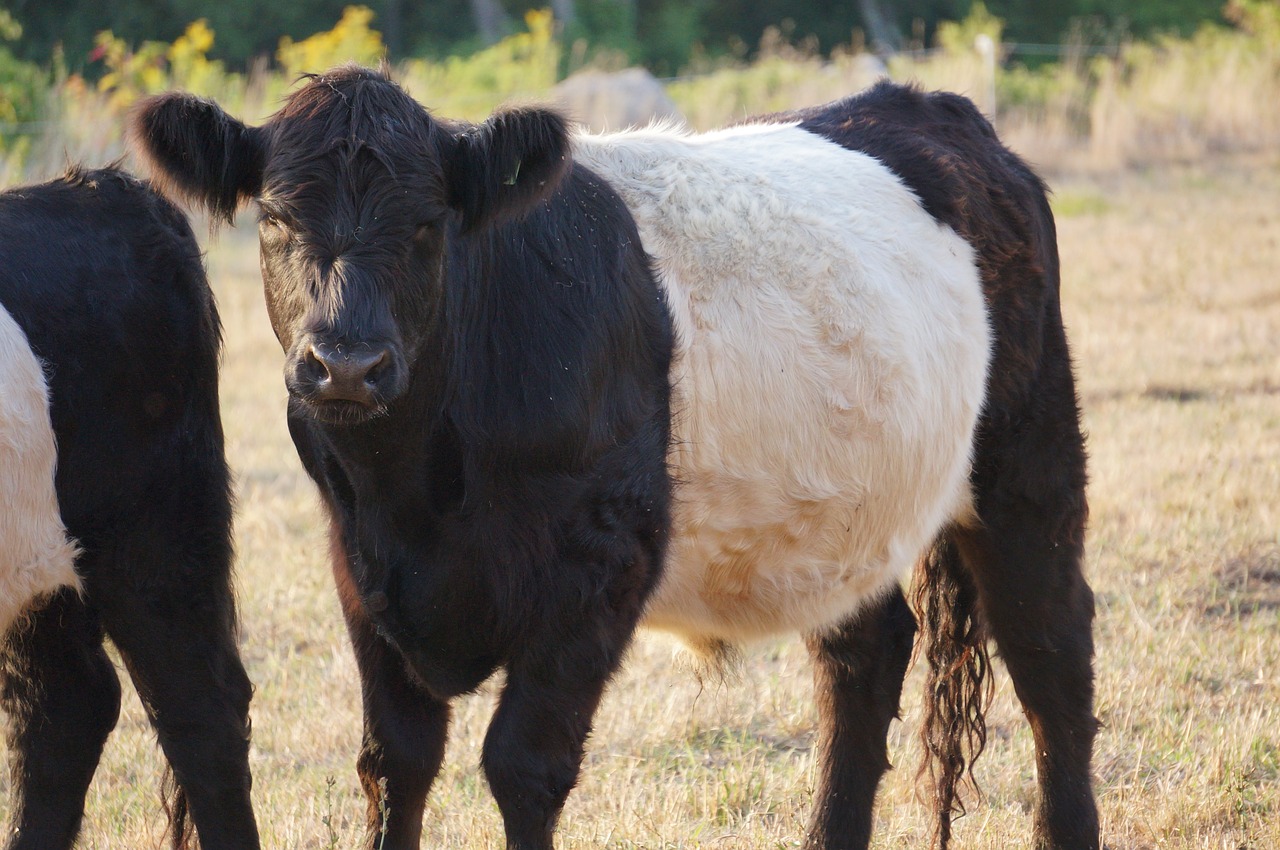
(731, 385)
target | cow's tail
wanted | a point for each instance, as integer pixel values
(958, 681)
(182, 833)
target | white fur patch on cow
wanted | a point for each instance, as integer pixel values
(36, 557)
(831, 366)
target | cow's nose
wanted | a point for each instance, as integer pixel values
(340, 373)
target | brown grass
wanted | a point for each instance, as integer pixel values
(1173, 305)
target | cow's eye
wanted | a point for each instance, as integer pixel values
(426, 231)
(272, 228)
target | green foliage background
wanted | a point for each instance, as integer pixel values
(1134, 100)
(660, 33)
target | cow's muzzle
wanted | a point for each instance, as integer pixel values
(345, 383)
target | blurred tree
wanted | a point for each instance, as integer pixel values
(1148, 17)
(244, 28)
(391, 21)
(661, 33)
(351, 39)
(492, 22)
(882, 31)
(564, 11)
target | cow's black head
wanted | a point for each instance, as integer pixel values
(358, 189)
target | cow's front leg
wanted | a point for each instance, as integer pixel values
(534, 747)
(405, 728)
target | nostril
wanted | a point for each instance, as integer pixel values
(313, 366)
(378, 367)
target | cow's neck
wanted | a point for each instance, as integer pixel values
(395, 459)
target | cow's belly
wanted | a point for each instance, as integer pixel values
(796, 568)
(750, 559)
(817, 453)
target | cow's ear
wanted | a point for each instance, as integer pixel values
(197, 152)
(503, 167)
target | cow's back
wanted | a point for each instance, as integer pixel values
(105, 278)
(949, 155)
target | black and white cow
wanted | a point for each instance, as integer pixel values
(36, 558)
(849, 361)
(104, 277)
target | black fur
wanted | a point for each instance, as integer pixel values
(495, 170)
(105, 278)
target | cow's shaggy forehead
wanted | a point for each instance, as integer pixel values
(353, 129)
(352, 104)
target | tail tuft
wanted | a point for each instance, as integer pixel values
(182, 833)
(958, 682)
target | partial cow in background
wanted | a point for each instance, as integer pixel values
(105, 279)
(869, 370)
(36, 558)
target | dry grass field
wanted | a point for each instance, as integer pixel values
(1173, 304)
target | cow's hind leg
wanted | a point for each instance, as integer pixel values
(1024, 555)
(62, 698)
(405, 729)
(858, 671)
(163, 586)
(185, 665)
(1039, 610)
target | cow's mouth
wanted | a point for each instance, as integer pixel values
(337, 411)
